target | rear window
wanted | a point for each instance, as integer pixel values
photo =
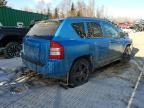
(44, 28)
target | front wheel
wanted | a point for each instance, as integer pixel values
(79, 72)
(127, 54)
(12, 49)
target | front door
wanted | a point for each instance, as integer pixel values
(115, 43)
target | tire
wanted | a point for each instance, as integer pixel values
(79, 72)
(127, 55)
(12, 49)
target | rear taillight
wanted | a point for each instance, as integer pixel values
(56, 50)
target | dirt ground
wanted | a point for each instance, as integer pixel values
(108, 87)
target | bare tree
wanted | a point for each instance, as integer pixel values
(81, 8)
(3, 2)
(49, 13)
(78, 13)
(61, 14)
(56, 14)
(100, 12)
(66, 8)
(41, 7)
(73, 10)
(91, 9)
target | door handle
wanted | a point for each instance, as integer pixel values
(112, 41)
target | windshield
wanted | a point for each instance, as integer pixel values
(44, 28)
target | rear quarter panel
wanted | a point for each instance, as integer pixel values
(66, 32)
(73, 49)
(74, 46)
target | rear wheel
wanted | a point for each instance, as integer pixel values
(79, 72)
(12, 49)
(127, 54)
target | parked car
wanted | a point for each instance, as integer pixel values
(11, 40)
(74, 47)
(139, 25)
(14, 25)
(124, 25)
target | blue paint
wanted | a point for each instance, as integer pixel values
(101, 50)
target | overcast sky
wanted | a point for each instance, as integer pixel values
(117, 8)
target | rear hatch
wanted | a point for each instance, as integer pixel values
(37, 42)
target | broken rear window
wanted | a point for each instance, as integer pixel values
(44, 28)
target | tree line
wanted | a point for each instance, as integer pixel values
(69, 8)
(3, 2)
(66, 8)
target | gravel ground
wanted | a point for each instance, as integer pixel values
(108, 87)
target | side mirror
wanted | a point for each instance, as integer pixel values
(123, 34)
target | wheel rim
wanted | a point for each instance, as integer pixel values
(128, 51)
(14, 50)
(80, 73)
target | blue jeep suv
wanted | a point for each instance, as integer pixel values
(73, 47)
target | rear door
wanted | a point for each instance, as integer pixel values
(99, 44)
(115, 43)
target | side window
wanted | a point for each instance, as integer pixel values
(94, 30)
(110, 31)
(79, 28)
